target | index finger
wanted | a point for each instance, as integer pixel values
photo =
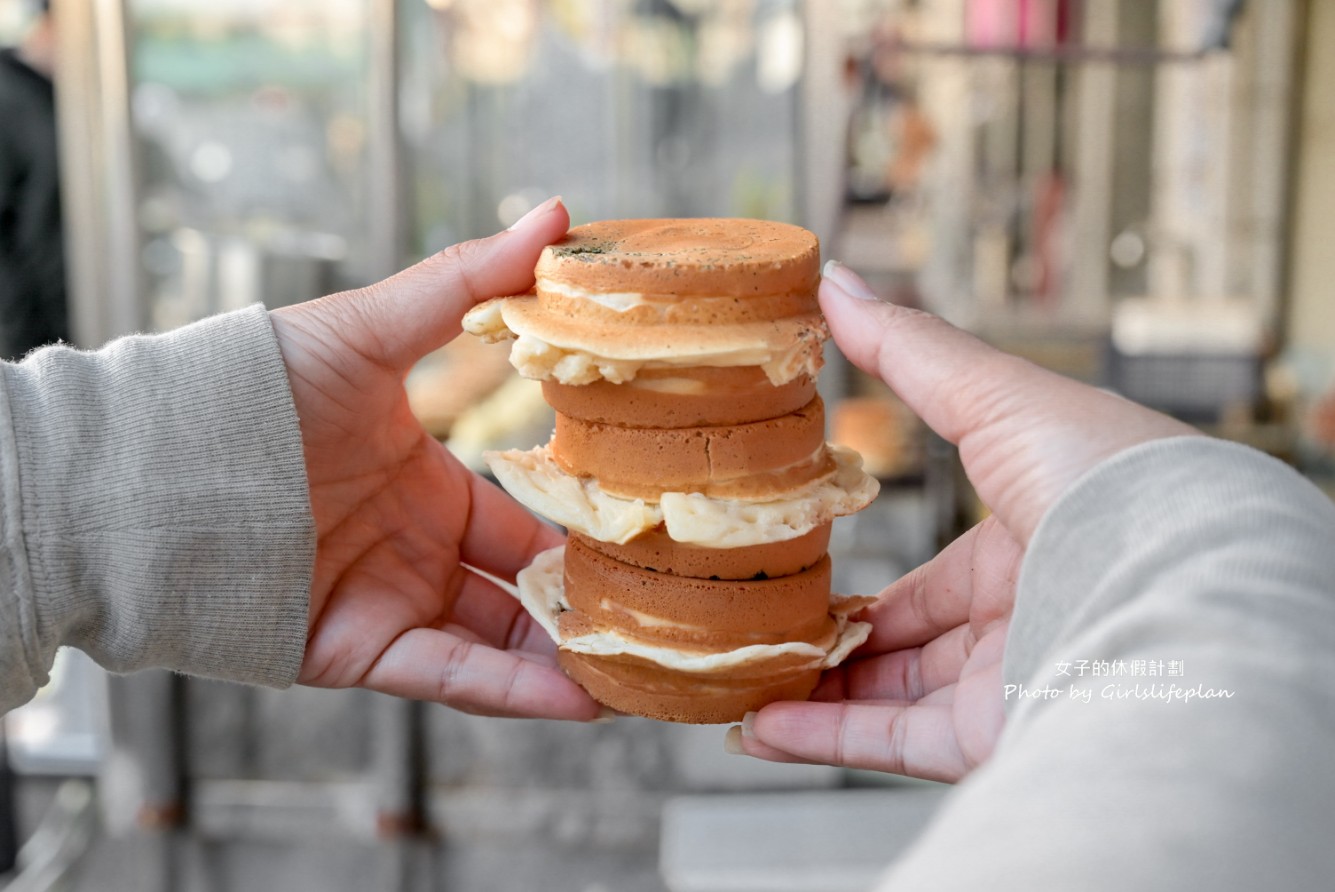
(971, 580)
(1024, 433)
(500, 535)
(434, 665)
(899, 738)
(944, 374)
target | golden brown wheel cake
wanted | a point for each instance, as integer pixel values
(708, 614)
(750, 263)
(656, 550)
(686, 397)
(615, 298)
(643, 688)
(688, 461)
(730, 461)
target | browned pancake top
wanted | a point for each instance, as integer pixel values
(685, 257)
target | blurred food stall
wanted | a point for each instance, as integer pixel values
(1086, 161)
(1102, 187)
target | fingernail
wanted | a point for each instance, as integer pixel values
(545, 208)
(732, 741)
(848, 281)
(748, 726)
(605, 716)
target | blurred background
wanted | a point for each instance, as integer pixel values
(1137, 193)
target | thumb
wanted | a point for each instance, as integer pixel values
(942, 373)
(1024, 433)
(399, 320)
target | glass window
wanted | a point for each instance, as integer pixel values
(648, 108)
(250, 120)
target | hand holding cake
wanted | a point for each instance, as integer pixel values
(923, 696)
(394, 603)
(689, 467)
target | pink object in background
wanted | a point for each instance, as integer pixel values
(1016, 24)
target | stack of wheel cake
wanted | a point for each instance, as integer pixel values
(688, 464)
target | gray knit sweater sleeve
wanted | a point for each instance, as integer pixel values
(1170, 681)
(154, 508)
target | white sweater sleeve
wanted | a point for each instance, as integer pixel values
(153, 508)
(1174, 637)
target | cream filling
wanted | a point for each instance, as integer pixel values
(580, 504)
(673, 385)
(552, 349)
(621, 301)
(649, 621)
(542, 593)
(625, 301)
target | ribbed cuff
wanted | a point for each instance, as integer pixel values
(164, 510)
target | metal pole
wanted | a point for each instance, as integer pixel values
(398, 770)
(98, 181)
(1093, 178)
(396, 743)
(822, 115)
(384, 150)
(141, 779)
